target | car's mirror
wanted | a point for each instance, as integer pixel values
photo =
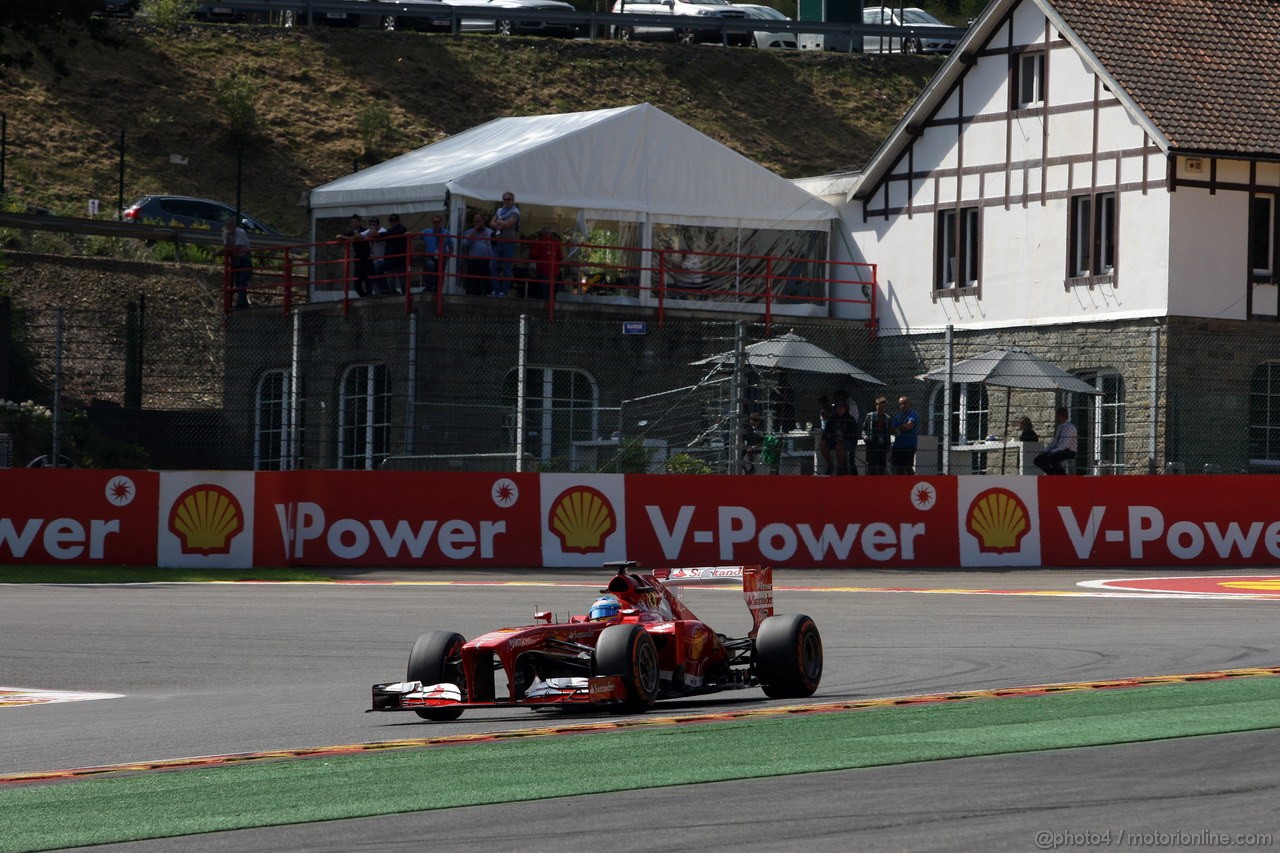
(542, 616)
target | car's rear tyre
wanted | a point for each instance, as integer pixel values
(628, 651)
(685, 35)
(288, 18)
(625, 34)
(910, 46)
(788, 656)
(388, 23)
(504, 28)
(436, 659)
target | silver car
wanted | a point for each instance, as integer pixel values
(703, 26)
(917, 19)
(765, 38)
(507, 21)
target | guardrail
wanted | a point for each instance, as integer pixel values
(590, 24)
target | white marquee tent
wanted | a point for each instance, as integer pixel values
(632, 163)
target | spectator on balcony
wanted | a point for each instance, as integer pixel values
(879, 437)
(477, 256)
(546, 254)
(506, 231)
(235, 245)
(437, 245)
(906, 433)
(377, 254)
(395, 261)
(361, 268)
(1062, 447)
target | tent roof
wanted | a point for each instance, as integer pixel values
(628, 160)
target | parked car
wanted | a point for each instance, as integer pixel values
(764, 38)
(515, 25)
(918, 19)
(705, 29)
(190, 213)
(426, 16)
(117, 8)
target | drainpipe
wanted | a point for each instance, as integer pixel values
(945, 450)
(411, 380)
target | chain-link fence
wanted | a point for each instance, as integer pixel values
(596, 389)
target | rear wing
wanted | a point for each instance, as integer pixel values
(757, 584)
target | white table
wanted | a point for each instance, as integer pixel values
(1001, 457)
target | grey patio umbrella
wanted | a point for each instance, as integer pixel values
(792, 352)
(1011, 367)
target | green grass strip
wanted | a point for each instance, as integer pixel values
(137, 574)
(155, 805)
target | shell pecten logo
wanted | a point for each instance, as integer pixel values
(205, 519)
(582, 519)
(999, 520)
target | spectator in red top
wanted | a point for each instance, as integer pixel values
(546, 253)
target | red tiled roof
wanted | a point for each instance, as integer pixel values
(1207, 72)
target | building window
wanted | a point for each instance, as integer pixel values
(1262, 236)
(561, 407)
(273, 430)
(970, 412)
(957, 249)
(1264, 416)
(1093, 235)
(1100, 423)
(364, 417)
(1028, 80)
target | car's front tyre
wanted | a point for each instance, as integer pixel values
(437, 659)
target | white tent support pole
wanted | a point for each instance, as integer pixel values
(947, 402)
(289, 458)
(646, 260)
(522, 357)
(411, 383)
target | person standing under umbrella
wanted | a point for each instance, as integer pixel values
(879, 436)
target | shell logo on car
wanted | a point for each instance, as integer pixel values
(205, 518)
(999, 520)
(582, 519)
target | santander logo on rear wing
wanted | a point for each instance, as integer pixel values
(757, 584)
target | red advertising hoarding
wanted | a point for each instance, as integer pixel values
(78, 516)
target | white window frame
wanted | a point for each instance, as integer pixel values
(1264, 416)
(542, 408)
(1092, 429)
(1092, 235)
(1262, 232)
(370, 433)
(957, 254)
(1029, 79)
(972, 411)
(272, 429)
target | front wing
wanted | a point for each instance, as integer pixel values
(416, 696)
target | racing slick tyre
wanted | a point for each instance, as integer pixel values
(628, 651)
(788, 656)
(436, 659)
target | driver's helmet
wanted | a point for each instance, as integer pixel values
(605, 607)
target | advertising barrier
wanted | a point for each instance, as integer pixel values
(234, 519)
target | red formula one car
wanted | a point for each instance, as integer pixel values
(638, 644)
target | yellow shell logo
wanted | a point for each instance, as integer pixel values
(998, 519)
(582, 518)
(205, 518)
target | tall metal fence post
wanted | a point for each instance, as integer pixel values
(132, 358)
(411, 382)
(291, 449)
(945, 450)
(6, 343)
(737, 395)
(521, 359)
(56, 420)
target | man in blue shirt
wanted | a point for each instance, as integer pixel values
(437, 245)
(506, 231)
(905, 426)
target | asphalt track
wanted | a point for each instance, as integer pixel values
(214, 669)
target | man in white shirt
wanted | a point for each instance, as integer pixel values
(1061, 448)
